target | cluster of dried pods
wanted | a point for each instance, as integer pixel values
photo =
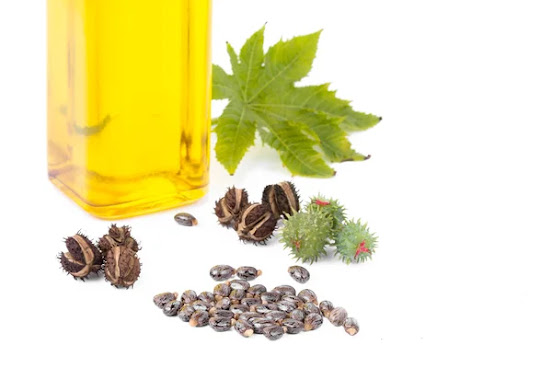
(115, 254)
(256, 222)
(253, 309)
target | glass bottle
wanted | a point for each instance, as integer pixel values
(129, 91)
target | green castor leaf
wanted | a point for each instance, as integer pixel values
(306, 235)
(355, 243)
(332, 208)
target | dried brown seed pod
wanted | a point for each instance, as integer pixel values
(285, 290)
(313, 321)
(293, 326)
(161, 299)
(222, 290)
(225, 216)
(311, 308)
(237, 295)
(185, 312)
(199, 318)
(117, 237)
(207, 297)
(308, 296)
(238, 285)
(171, 308)
(282, 199)
(255, 291)
(185, 219)
(122, 267)
(221, 272)
(220, 324)
(274, 332)
(276, 316)
(248, 273)
(223, 303)
(237, 200)
(299, 274)
(270, 297)
(298, 315)
(351, 326)
(188, 297)
(244, 328)
(256, 224)
(326, 307)
(338, 316)
(249, 302)
(82, 256)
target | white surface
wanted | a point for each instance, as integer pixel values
(458, 191)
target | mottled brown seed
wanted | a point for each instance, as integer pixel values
(293, 299)
(298, 315)
(255, 291)
(299, 274)
(239, 285)
(250, 301)
(276, 316)
(162, 299)
(185, 219)
(285, 290)
(293, 326)
(207, 297)
(238, 309)
(222, 272)
(273, 332)
(351, 326)
(308, 296)
(237, 295)
(248, 316)
(260, 323)
(188, 297)
(185, 312)
(313, 321)
(171, 308)
(223, 313)
(270, 297)
(199, 318)
(286, 306)
(248, 273)
(220, 324)
(201, 305)
(311, 308)
(338, 316)
(326, 307)
(223, 303)
(222, 289)
(264, 308)
(244, 328)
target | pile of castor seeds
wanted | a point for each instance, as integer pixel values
(253, 309)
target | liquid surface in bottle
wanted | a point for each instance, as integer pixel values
(129, 90)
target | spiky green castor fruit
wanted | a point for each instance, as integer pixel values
(331, 208)
(306, 234)
(355, 243)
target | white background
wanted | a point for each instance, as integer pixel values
(458, 190)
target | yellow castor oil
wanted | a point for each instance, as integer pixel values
(129, 92)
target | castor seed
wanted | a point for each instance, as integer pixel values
(255, 291)
(223, 303)
(222, 290)
(326, 307)
(338, 316)
(199, 318)
(185, 312)
(307, 296)
(293, 326)
(220, 324)
(276, 316)
(248, 273)
(299, 274)
(298, 315)
(188, 297)
(222, 272)
(162, 299)
(171, 308)
(313, 321)
(285, 290)
(273, 332)
(250, 301)
(351, 326)
(311, 308)
(270, 297)
(239, 285)
(185, 219)
(244, 328)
